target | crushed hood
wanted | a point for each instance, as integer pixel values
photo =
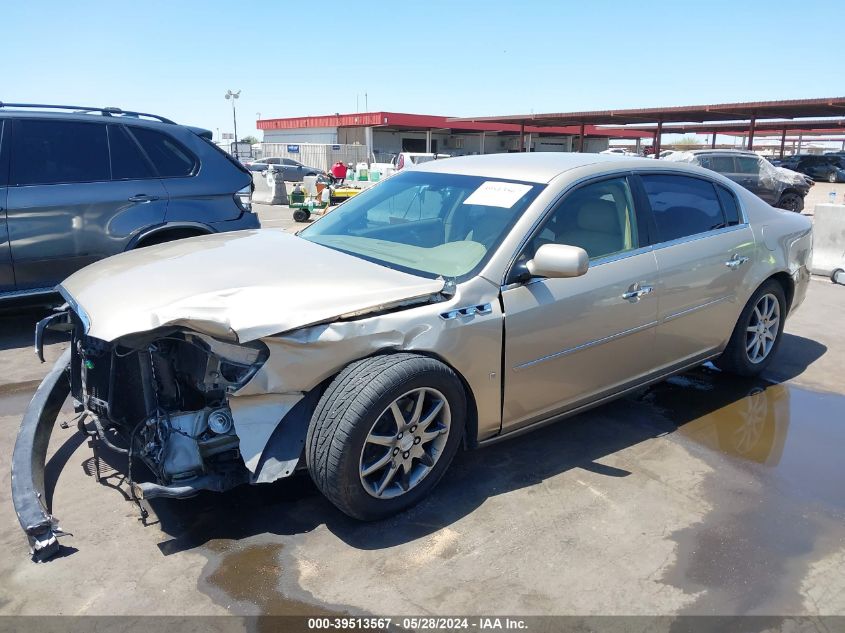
(243, 285)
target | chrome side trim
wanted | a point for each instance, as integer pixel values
(675, 315)
(700, 236)
(587, 345)
(32, 292)
(586, 406)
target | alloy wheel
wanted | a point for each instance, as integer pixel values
(763, 328)
(405, 443)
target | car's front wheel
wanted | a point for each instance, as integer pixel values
(791, 202)
(757, 334)
(384, 432)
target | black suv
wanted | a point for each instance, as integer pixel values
(82, 185)
(829, 167)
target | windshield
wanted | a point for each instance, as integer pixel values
(425, 223)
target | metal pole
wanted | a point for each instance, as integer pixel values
(235, 121)
(657, 139)
(581, 139)
(751, 132)
(713, 141)
(522, 137)
(782, 142)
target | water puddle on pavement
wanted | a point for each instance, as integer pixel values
(252, 574)
(795, 433)
(775, 492)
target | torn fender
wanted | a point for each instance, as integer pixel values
(29, 459)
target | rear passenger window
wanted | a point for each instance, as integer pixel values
(721, 164)
(729, 205)
(169, 157)
(51, 152)
(747, 165)
(682, 206)
(127, 162)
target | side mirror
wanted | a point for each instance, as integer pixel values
(559, 260)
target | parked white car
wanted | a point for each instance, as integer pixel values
(409, 159)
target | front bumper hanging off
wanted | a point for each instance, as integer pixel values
(29, 459)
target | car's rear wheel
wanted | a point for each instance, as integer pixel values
(384, 433)
(758, 333)
(791, 202)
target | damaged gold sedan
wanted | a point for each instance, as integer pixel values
(457, 303)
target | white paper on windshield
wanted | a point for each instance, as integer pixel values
(494, 193)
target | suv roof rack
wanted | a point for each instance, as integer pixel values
(85, 110)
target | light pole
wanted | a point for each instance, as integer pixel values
(234, 95)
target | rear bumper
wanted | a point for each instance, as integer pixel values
(30, 456)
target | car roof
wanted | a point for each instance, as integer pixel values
(540, 167)
(734, 152)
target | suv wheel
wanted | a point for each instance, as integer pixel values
(831, 177)
(791, 202)
(384, 433)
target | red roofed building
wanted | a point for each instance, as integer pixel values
(388, 133)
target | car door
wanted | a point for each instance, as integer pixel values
(757, 179)
(297, 170)
(7, 277)
(703, 249)
(64, 210)
(569, 341)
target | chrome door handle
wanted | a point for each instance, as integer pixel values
(638, 292)
(735, 262)
(142, 197)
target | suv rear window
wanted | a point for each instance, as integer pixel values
(52, 152)
(170, 158)
(682, 206)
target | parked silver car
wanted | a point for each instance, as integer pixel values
(461, 302)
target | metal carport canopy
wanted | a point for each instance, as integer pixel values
(751, 111)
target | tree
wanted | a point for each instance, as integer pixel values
(249, 139)
(687, 141)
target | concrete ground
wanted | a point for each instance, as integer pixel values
(705, 494)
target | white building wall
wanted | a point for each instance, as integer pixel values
(386, 143)
(305, 135)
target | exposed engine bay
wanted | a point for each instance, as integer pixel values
(163, 397)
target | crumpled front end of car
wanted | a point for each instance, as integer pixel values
(163, 397)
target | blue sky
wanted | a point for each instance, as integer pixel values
(178, 58)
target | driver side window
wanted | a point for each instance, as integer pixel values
(598, 217)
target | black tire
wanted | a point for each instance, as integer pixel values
(791, 202)
(301, 215)
(350, 407)
(735, 358)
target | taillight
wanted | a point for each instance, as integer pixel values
(243, 198)
(400, 163)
